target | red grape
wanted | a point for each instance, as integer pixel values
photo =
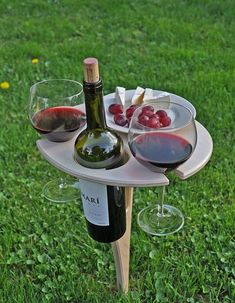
(147, 112)
(153, 123)
(161, 113)
(130, 110)
(155, 116)
(147, 108)
(166, 121)
(116, 108)
(142, 119)
(120, 119)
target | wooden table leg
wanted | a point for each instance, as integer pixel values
(121, 248)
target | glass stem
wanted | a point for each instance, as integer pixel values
(160, 210)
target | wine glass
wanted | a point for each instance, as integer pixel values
(55, 113)
(162, 136)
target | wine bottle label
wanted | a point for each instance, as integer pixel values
(95, 202)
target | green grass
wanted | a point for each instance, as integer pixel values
(185, 47)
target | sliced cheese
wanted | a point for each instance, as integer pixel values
(137, 99)
(164, 97)
(120, 95)
(148, 94)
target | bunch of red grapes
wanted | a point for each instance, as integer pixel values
(147, 117)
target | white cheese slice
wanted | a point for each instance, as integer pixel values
(138, 96)
(120, 95)
(148, 94)
(163, 94)
(166, 97)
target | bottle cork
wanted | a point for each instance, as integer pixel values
(91, 70)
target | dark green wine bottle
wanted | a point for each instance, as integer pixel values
(99, 147)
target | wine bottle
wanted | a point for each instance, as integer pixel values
(99, 147)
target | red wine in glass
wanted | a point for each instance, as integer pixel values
(54, 110)
(161, 149)
(58, 123)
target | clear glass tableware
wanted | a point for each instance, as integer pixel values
(55, 114)
(162, 136)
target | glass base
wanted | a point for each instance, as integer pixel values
(155, 223)
(61, 190)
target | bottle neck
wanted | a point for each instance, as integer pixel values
(95, 113)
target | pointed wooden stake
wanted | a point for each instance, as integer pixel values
(121, 248)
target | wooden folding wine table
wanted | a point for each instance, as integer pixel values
(131, 174)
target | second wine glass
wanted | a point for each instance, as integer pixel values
(55, 114)
(162, 136)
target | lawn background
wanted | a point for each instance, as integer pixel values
(185, 47)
